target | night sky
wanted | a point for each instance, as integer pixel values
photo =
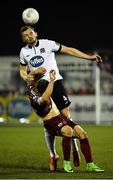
(82, 24)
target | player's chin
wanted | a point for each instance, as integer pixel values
(30, 42)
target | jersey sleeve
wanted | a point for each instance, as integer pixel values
(36, 99)
(54, 46)
(39, 100)
(22, 59)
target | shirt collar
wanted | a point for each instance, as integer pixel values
(37, 44)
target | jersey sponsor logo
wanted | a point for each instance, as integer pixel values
(36, 61)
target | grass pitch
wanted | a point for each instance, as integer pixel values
(24, 155)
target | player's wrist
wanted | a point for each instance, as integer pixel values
(52, 80)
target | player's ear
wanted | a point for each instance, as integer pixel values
(23, 39)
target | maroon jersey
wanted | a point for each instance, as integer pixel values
(41, 110)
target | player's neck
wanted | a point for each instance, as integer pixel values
(36, 43)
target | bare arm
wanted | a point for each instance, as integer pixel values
(23, 73)
(77, 53)
(39, 71)
(48, 92)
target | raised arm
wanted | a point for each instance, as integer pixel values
(75, 52)
(48, 92)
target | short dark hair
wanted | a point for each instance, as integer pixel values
(41, 85)
(24, 28)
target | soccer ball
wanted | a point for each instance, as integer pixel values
(30, 16)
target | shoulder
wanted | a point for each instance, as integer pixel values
(49, 44)
(24, 50)
(46, 41)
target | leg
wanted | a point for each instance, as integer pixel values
(62, 102)
(50, 142)
(66, 146)
(86, 150)
(75, 150)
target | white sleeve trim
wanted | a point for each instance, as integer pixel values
(39, 100)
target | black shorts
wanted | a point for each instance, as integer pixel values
(59, 95)
(54, 125)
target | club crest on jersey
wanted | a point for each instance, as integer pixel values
(36, 61)
(42, 50)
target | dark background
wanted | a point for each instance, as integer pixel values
(83, 24)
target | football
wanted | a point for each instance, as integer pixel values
(30, 16)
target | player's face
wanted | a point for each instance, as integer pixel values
(29, 36)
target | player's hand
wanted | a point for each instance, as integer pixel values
(96, 58)
(40, 71)
(30, 77)
(52, 74)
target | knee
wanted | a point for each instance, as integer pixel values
(80, 132)
(67, 131)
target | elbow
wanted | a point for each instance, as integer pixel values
(45, 98)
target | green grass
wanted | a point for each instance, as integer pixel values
(24, 155)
